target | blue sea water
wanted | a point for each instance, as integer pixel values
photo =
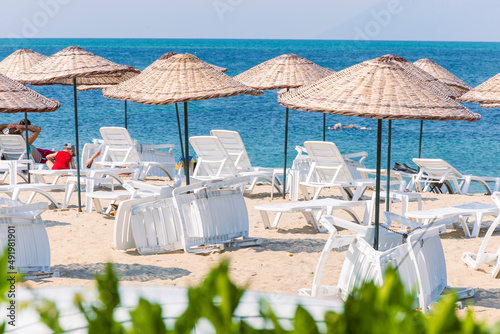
(473, 148)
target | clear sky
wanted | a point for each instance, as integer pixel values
(441, 20)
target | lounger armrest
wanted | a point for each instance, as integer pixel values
(389, 217)
(339, 222)
(363, 156)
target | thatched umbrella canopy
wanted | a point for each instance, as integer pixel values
(490, 105)
(285, 71)
(16, 97)
(433, 83)
(179, 78)
(20, 61)
(74, 66)
(381, 89)
(442, 74)
(486, 93)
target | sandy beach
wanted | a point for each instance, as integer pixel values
(81, 244)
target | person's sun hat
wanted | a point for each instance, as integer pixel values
(70, 146)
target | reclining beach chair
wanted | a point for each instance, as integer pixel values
(32, 249)
(215, 163)
(493, 259)
(133, 189)
(457, 213)
(331, 170)
(120, 151)
(434, 171)
(199, 217)
(14, 158)
(313, 210)
(234, 146)
(418, 258)
(302, 165)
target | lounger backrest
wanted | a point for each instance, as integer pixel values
(120, 148)
(211, 212)
(327, 162)
(12, 147)
(234, 146)
(426, 252)
(436, 168)
(156, 228)
(213, 160)
(87, 152)
(32, 248)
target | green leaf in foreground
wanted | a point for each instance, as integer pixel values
(100, 318)
(147, 318)
(49, 315)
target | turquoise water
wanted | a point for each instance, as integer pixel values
(470, 147)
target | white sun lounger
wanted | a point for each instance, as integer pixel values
(235, 147)
(121, 151)
(331, 170)
(34, 188)
(438, 170)
(215, 163)
(312, 210)
(24, 223)
(134, 189)
(13, 150)
(419, 260)
(493, 259)
(458, 213)
(199, 217)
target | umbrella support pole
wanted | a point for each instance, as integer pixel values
(27, 144)
(186, 142)
(77, 148)
(324, 127)
(377, 185)
(180, 132)
(125, 114)
(286, 149)
(420, 140)
(388, 190)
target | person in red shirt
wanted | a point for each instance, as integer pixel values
(62, 159)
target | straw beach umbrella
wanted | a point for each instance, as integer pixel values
(487, 93)
(74, 66)
(442, 74)
(285, 71)
(179, 78)
(381, 89)
(490, 105)
(432, 82)
(16, 97)
(20, 61)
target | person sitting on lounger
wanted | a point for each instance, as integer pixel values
(39, 155)
(62, 159)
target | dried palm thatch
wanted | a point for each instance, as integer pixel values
(490, 105)
(115, 79)
(431, 82)
(16, 97)
(20, 61)
(380, 88)
(179, 78)
(486, 93)
(285, 71)
(442, 74)
(74, 62)
(170, 54)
